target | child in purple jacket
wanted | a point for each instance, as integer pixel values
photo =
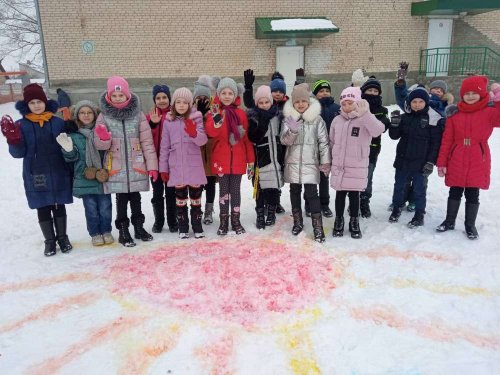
(181, 164)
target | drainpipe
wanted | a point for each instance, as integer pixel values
(42, 45)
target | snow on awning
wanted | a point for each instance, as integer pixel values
(300, 27)
(453, 7)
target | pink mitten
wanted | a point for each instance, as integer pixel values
(495, 92)
(102, 132)
(441, 171)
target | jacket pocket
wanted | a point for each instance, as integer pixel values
(138, 159)
(112, 158)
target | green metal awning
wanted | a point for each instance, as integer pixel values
(293, 27)
(453, 7)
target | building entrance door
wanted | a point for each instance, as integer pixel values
(287, 60)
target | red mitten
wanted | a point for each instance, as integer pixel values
(102, 132)
(10, 130)
(190, 128)
(164, 176)
(154, 175)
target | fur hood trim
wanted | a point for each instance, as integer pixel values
(131, 110)
(22, 107)
(309, 115)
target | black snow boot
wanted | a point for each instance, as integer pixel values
(364, 206)
(396, 213)
(60, 223)
(47, 228)
(279, 208)
(326, 211)
(271, 215)
(159, 213)
(235, 223)
(417, 221)
(317, 224)
(451, 215)
(471, 210)
(139, 231)
(208, 216)
(223, 225)
(354, 227)
(183, 220)
(298, 221)
(338, 226)
(306, 208)
(124, 236)
(260, 222)
(196, 217)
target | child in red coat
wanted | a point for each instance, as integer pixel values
(464, 157)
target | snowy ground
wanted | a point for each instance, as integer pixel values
(398, 301)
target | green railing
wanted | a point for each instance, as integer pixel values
(460, 61)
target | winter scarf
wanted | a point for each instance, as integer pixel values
(482, 103)
(269, 114)
(375, 102)
(236, 131)
(92, 156)
(40, 118)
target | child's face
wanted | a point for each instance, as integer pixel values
(161, 100)
(227, 96)
(181, 106)
(348, 106)
(264, 103)
(118, 97)
(36, 106)
(471, 97)
(323, 93)
(417, 104)
(301, 105)
(372, 91)
(437, 91)
(277, 96)
(86, 115)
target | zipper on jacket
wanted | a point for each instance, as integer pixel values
(301, 153)
(126, 154)
(273, 142)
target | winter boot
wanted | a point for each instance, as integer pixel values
(410, 207)
(183, 220)
(60, 223)
(279, 208)
(364, 206)
(208, 216)
(271, 215)
(224, 224)
(124, 236)
(235, 223)
(326, 211)
(451, 216)
(417, 221)
(260, 222)
(159, 213)
(298, 221)
(196, 217)
(338, 226)
(471, 210)
(139, 231)
(307, 209)
(47, 228)
(396, 213)
(354, 227)
(172, 223)
(317, 224)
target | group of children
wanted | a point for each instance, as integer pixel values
(188, 142)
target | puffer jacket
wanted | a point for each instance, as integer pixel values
(307, 149)
(264, 132)
(350, 137)
(130, 151)
(180, 154)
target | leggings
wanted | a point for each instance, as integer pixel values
(182, 192)
(45, 213)
(340, 197)
(210, 189)
(471, 194)
(229, 191)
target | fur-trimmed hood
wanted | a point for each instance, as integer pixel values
(309, 115)
(131, 110)
(449, 98)
(23, 108)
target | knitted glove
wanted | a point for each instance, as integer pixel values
(428, 168)
(164, 176)
(190, 128)
(214, 109)
(10, 130)
(402, 71)
(300, 76)
(325, 168)
(250, 170)
(65, 142)
(293, 124)
(395, 118)
(102, 132)
(203, 106)
(153, 175)
(442, 171)
(249, 78)
(495, 92)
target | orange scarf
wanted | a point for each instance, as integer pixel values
(41, 118)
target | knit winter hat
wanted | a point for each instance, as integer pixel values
(300, 92)
(321, 84)
(227, 83)
(372, 83)
(161, 88)
(182, 93)
(475, 83)
(85, 103)
(439, 84)
(203, 87)
(263, 92)
(34, 91)
(117, 83)
(350, 93)
(278, 84)
(419, 92)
